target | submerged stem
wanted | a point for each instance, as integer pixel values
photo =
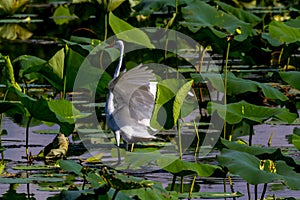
(255, 191)
(198, 142)
(27, 137)
(264, 191)
(251, 134)
(192, 187)
(179, 140)
(173, 182)
(1, 118)
(248, 191)
(225, 83)
(181, 184)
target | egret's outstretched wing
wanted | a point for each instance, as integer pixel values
(127, 83)
(132, 89)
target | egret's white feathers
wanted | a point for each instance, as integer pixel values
(130, 105)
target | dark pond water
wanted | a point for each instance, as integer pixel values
(14, 142)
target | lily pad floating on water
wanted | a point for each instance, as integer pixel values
(182, 168)
(52, 189)
(62, 15)
(296, 138)
(210, 195)
(35, 167)
(29, 180)
(46, 131)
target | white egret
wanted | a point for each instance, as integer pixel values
(130, 103)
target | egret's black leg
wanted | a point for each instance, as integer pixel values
(119, 155)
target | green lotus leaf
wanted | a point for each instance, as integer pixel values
(198, 15)
(12, 107)
(246, 165)
(60, 112)
(283, 32)
(265, 153)
(29, 180)
(14, 31)
(70, 166)
(182, 168)
(128, 33)
(110, 5)
(235, 112)
(64, 64)
(241, 14)
(147, 7)
(35, 167)
(27, 62)
(273, 41)
(210, 195)
(237, 85)
(170, 97)
(292, 78)
(296, 138)
(11, 6)
(156, 192)
(62, 15)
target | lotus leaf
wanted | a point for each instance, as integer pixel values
(283, 32)
(111, 4)
(29, 180)
(182, 168)
(71, 166)
(62, 15)
(265, 153)
(13, 32)
(60, 112)
(36, 167)
(237, 86)
(198, 15)
(10, 73)
(63, 65)
(27, 62)
(246, 165)
(292, 78)
(128, 33)
(241, 14)
(273, 41)
(12, 108)
(11, 6)
(210, 195)
(147, 7)
(235, 112)
(156, 192)
(170, 97)
(296, 138)
(123, 182)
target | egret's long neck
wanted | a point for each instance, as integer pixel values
(121, 46)
(109, 106)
